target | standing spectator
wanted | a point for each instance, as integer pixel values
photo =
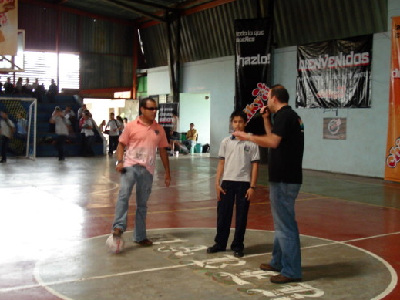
(18, 86)
(7, 129)
(121, 124)
(35, 85)
(22, 129)
(71, 117)
(8, 87)
(27, 88)
(22, 126)
(285, 138)
(87, 135)
(81, 111)
(140, 139)
(175, 125)
(235, 181)
(62, 125)
(102, 126)
(113, 126)
(52, 92)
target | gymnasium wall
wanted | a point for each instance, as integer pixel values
(363, 151)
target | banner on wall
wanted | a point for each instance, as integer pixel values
(252, 68)
(392, 166)
(335, 74)
(9, 27)
(166, 113)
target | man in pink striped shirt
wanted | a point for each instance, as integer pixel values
(139, 140)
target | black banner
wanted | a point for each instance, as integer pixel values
(166, 115)
(253, 67)
(335, 74)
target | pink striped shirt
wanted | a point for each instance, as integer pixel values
(141, 142)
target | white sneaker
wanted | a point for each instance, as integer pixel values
(115, 244)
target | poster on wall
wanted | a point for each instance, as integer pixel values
(252, 68)
(335, 128)
(335, 74)
(392, 166)
(166, 116)
(9, 27)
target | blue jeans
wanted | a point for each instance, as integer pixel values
(286, 255)
(143, 179)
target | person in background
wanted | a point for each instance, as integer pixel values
(121, 123)
(140, 141)
(27, 88)
(71, 117)
(285, 138)
(81, 110)
(18, 86)
(236, 181)
(7, 129)
(113, 133)
(52, 92)
(35, 85)
(22, 126)
(87, 134)
(8, 87)
(191, 137)
(102, 125)
(22, 130)
(62, 125)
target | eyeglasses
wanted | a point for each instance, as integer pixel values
(151, 108)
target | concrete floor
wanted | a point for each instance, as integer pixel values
(56, 217)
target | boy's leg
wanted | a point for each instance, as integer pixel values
(224, 214)
(242, 209)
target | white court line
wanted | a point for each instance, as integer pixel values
(47, 285)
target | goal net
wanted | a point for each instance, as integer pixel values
(22, 112)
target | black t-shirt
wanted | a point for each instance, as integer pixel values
(285, 162)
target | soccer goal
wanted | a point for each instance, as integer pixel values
(23, 113)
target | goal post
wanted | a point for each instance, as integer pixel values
(23, 113)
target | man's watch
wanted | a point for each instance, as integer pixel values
(118, 162)
(253, 187)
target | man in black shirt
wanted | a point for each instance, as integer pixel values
(285, 138)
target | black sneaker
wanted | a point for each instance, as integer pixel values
(238, 254)
(214, 249)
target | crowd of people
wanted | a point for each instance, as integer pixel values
(83, 127)
(28, 89)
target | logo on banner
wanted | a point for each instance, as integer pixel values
(255, 60)
(394, 155)
(341, 60)
(261, 94)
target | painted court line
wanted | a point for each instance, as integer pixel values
(48, 285)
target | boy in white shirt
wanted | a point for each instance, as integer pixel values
(238, 170)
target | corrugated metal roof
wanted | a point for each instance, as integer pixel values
(300, 22)
(206, 34)
(210, 34)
